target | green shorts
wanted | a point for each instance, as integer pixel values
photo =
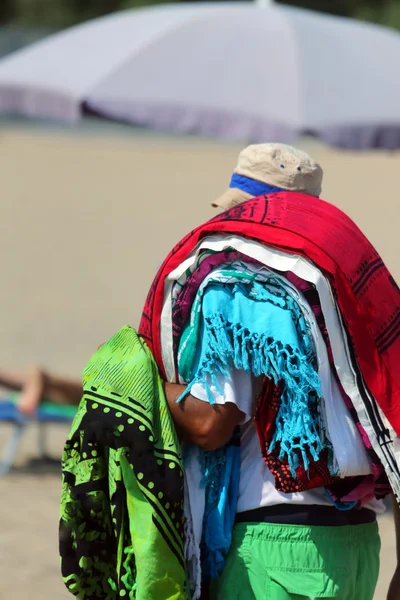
(296, 562)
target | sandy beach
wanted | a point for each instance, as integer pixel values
(86, 220)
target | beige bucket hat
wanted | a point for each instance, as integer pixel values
(264, 168)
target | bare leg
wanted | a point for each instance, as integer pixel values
(33, 391)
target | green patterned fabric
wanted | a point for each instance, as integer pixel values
(121, 526)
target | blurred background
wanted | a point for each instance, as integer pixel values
(89, 210)
(63, 13)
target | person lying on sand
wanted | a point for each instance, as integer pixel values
(37, 385)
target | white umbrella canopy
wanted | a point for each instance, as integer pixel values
(234, 71)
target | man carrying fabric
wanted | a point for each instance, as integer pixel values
(285, 545)
(284, 491)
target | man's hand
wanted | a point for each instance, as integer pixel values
(205, 425)
(394, 589)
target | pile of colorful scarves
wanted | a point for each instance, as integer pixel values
(284, 286)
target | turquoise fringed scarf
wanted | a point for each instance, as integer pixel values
(239, 323)
(246, 320)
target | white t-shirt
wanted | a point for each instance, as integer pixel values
(256, 487)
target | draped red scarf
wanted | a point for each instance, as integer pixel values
(366, 293)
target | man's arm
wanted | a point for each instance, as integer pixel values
(208, 426)
(203, 424)
(394, 590)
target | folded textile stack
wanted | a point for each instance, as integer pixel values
(286, 289)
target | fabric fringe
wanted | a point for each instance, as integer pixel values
(299, 423)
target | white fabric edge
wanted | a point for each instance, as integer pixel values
(194, 507)
(309, 272)
(358, 463)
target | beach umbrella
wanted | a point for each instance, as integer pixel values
(244, 71)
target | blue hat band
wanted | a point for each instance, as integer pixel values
(252, 186)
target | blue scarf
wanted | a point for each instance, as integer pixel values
(239, 323)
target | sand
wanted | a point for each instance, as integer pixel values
(86, 220)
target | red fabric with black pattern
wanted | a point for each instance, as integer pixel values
(366, 293)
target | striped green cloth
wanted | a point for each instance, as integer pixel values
(121, 527)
